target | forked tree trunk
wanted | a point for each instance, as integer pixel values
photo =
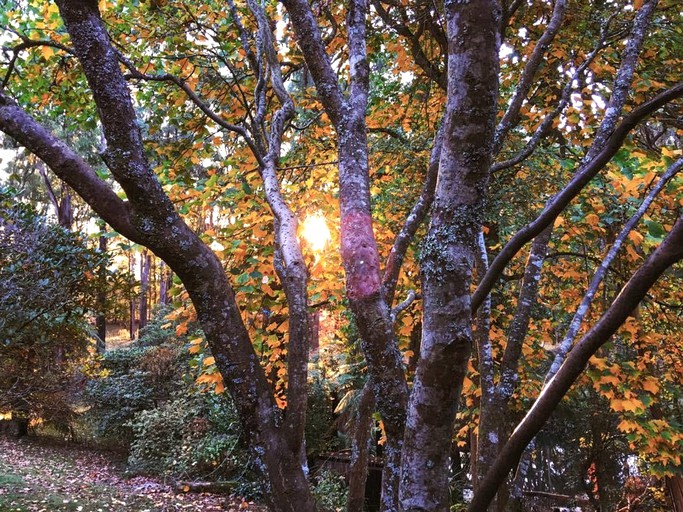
(449, 253)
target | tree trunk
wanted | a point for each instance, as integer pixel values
(360, 450)
(165, 283)
(101, 319)
(132, 309)
(145, 263)
(449, 253)
(675, 486)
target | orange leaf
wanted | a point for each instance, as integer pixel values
(181, 329)
(651, 385)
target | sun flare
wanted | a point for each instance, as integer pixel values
(315, 231)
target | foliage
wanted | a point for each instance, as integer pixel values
(194, 436)
(46, 296)
(216, 182)
(330, 491)
(144, 397)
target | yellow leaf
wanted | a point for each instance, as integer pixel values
(592, 219)
(209, 378)
(209, 361)
(631, 405)
(632, 254)
(627, 426)
(47, 51)
(194, 349)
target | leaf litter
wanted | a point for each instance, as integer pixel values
(39, 477)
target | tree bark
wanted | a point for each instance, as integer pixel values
(359, 251)
(360, 450)
(449, 252)
(101, 318)
(674, 484)
(150, 219)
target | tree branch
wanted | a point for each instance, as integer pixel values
(587, 300)
(68, 165)
(560, 201)
(194, 98)
(412, 223)
(547, 122)
(668, 253)
(318, 62)
(24, 45)
(527, 78)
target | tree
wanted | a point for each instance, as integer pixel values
(45, 299)
(463, 63)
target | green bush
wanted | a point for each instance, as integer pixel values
(144, 397)
(195, 436)
(330, 492)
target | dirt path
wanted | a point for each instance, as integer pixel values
(39, 477)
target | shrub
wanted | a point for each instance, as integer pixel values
(330, 491)
(196, 436)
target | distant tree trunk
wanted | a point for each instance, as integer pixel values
(675, 486)
(131, 299)
(165, 282)
(145, 263)
(314, 320)
(62, 205)
(101, 319)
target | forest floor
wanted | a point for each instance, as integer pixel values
(37, 476)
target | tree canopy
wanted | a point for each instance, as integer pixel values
(500, 180)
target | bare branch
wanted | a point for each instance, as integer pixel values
(559, 202)
(527, 78)
(583, 308)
